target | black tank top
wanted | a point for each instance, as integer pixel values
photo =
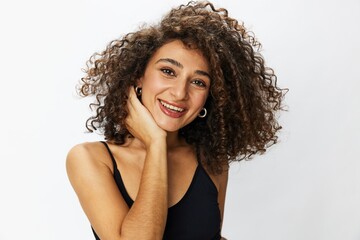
(195, 217)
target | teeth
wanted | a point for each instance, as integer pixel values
(172, 107)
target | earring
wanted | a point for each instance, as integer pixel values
(138, 91)
(202, 113)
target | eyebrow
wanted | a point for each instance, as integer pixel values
(172, 61)
(177, 64)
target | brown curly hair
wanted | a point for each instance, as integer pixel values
(244, 97)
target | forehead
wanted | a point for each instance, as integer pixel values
(188, 57)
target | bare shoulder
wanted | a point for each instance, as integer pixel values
(220, 180)
(89, 169)
(88, 151)
(223, 176)
(85, 158)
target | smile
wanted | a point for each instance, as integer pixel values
(171, 107)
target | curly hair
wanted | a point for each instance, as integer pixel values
(244, 97)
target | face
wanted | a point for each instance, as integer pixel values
(175, 85)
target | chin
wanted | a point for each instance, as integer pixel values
(169, 127)
(172, 125)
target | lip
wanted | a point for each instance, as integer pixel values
(171, 113)
(173, 104)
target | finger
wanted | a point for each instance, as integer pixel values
(132, 94)
(131, 106)
(132, 97)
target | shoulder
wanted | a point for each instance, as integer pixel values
(220, 180)
(85, 152)
(86, 158)
(87, 149)
(89, 170)
(223, 178)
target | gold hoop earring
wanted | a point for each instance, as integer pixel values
(202, 113)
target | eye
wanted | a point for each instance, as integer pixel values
(168, 71)
(199, 83)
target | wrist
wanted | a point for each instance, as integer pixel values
(156, 143)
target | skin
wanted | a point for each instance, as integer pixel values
(157, 165)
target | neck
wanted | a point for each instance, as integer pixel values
(173, 139)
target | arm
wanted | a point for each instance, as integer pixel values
(93, 182)
(149, 211)
(147, 217)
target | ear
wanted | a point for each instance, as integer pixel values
(139, 82)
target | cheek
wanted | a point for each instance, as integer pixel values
(199, 99)
(151, 88)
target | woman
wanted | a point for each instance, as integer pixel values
(177, 102)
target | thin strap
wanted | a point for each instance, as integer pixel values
(118, 179)
(198, 156)
(111, 155)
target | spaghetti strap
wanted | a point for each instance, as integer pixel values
(118, 179)
(198, 156)
(111, 155)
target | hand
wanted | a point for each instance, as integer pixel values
(140, 122)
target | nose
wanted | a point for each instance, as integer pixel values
(180, 90)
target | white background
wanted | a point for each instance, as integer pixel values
(306, 187)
